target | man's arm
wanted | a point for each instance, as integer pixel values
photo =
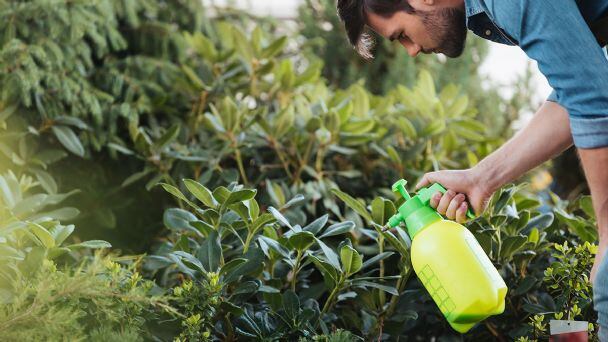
(544, 137)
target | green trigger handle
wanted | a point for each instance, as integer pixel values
(425, 195)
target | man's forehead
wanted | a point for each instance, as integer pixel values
(381, 25)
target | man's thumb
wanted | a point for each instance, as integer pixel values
(428, 178)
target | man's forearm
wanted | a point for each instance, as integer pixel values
(544, 137)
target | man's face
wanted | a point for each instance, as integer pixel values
(427, 30)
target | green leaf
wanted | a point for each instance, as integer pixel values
(61, 233)
(294, 201)
(291, 304)
(44, 236)
(277, 214)
(120, 148)
(266, 242)
(253, 265)
(68, 139)
(46, 181)
(210, 252)
(71, 121)
(95, 244)
(511, 245)
(541, 222)
(327, 270)
(433, 128)
(534, 236)
(201, 193)
(525, 285)
(170, 135)
(317, 225)
(177, 193)
(375, 259)
(179, 220)
(136, 176)
(351, 260)
(353, 204)
(382, 210)
(301, 240)
(331, 256)
(221, 194)
(274, 48)
(503, 199)
(261, 221)
(276, 193)
(385, 288)
(189, 260)
(338, 228)
(587, 206)
(62, 214)
(231, 265)
(426, 84)
(240, 196)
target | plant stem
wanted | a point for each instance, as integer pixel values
(319, 160)
(400, 286)
(381, 250)
(281, 156)
(295, 271)
(304, 160)
(330, 299)
(239, 161)
(247, 242)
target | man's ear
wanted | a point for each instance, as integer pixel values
(423, 4)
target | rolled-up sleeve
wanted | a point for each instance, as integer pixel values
(554, 33)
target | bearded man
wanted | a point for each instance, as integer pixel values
(566, 38)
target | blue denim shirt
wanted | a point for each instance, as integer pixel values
(556, 35)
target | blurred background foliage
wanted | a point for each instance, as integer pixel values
(109, 106)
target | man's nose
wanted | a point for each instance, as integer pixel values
(412, 49)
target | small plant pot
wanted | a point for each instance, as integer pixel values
(568, 331)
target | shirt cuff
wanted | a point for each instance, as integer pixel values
(552, 97)
(589, 131)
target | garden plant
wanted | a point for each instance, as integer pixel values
(173, 174)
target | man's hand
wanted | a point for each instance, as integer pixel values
(462, 185)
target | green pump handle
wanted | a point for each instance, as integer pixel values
(424, 194)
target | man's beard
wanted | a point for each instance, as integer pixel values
(447, 27)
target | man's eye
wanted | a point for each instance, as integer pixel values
(402, 36)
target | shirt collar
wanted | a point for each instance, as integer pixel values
(472, 7)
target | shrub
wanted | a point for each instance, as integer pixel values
(149, 95)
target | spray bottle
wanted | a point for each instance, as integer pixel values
(449, 261)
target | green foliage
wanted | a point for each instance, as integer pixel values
(31, 235)
(97, 300)
(567, 279)
(279, 179)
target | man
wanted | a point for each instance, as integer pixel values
(555, 33)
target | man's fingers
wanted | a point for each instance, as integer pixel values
(454, 204)
(435, 199)
(445, 202)
(461, 213)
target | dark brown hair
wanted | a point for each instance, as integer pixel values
(352, 13)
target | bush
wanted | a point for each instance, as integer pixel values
(148, 95)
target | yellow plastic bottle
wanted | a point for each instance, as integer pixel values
(449, 262)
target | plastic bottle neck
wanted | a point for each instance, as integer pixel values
(420, 219)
